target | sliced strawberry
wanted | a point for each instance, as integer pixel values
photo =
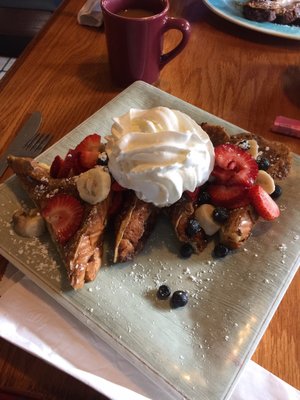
(63, 168)
(55, 167)
(193, 196)
(88, 151)
(234, 166)
(117, 198)
(221, 175)
(245, 201)
(87, 159)
(116, 187)
(77, 168)
(90, 143)
(116, 203)
(263, 203)
(77, 160)
(66, 169)
(222, 195)
(64, 213)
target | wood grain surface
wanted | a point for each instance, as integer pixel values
(245, 77)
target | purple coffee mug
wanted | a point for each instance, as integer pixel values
(135, 43)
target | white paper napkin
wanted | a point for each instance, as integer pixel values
(90, 14)
(32, 320)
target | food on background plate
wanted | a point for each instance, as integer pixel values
(209, 184)
(285, 12)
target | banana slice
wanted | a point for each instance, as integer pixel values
(28, 224)
(265, 181)
(94, 185)
(204, 215)
(253, 150)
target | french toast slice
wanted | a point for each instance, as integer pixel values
(82, 252)
(133, 226)
(180, 214)
(242, 219)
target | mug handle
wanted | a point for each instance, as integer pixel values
(184, 27)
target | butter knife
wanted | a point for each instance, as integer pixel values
(27, 131)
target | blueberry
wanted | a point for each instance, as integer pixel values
(244, 144)
(186, 250)
(220, 250)
(263, 163)
(102, 159)
(163, 292)
(179, 299)
(204, 198)
(192, 228)
(277, 192)
(220, 214)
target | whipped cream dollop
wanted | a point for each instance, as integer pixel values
(159, 153)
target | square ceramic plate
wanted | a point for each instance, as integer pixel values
(196, 352)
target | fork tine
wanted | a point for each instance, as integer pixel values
(37, 142)
(45, 140)
(31, 141)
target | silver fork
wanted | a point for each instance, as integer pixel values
(37, 143)
(31, 148)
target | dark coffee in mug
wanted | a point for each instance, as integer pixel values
(135, 13)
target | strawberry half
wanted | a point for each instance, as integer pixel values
(64, 213)
(226, 196)
(66, 169)
(88, 159)
(116, 187)
(234, 166)
(78, 160)
(88, 151)
(116, 202)
(263, 203)
(244, 202)
(63, 168)
(56, 166)
(193, 196)
(90, 143)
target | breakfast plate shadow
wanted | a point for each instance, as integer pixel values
(195, 352)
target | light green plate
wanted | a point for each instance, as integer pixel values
(196, 352)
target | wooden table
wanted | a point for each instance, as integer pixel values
(243, 76)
